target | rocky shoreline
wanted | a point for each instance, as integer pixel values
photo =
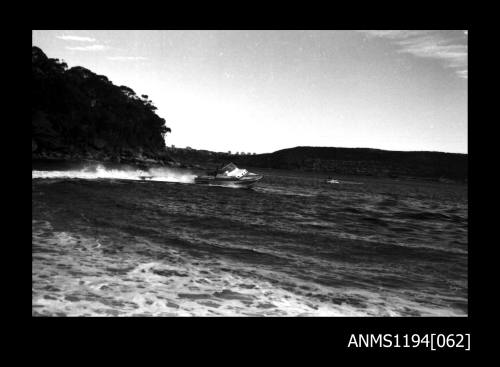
(129, 157)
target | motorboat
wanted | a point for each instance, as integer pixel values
(230, 176)
(330, 180)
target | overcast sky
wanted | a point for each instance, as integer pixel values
(260, 91)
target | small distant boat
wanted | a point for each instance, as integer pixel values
(332, 181)
(145, 177)
(230, 176)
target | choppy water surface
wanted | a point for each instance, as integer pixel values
(106, 243)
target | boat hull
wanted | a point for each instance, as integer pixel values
(243, 182)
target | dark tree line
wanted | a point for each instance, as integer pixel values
(77, 110)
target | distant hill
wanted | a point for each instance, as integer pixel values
(77, 113)
(342, 161)
(364, 161)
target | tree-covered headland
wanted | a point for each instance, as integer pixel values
(77, 113)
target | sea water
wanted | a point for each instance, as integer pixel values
(108, 242)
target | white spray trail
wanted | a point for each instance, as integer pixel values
(100, 172)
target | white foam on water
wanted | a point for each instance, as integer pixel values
(100, 172)
(72, 276)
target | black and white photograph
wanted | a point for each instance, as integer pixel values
(250, 173)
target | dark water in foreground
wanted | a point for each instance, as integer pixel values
(293, 245)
